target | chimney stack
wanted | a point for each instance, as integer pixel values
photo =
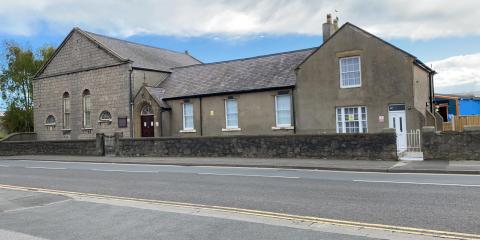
(329, 27)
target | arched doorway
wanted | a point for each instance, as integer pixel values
(147, 121)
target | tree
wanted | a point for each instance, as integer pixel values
(16, 76)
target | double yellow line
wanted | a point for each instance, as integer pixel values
(398, 229)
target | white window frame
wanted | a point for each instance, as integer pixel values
(360, 119)
(87, 119)
(359, 69)
(66, 112)
(226, 114)
(183, 115)
(276, 111)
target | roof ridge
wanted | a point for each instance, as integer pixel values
(248, 58)
(135, 43)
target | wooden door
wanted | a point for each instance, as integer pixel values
(147, 126)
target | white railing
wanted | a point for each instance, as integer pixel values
(414, 141)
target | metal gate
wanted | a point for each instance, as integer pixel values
(414, 141)
(109, 145)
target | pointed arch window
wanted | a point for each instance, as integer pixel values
(87, 109)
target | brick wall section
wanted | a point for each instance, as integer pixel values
(61, 147)
(451, 145)
(381, 146)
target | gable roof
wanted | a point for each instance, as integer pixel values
(158, 94)
(144, 56)
(241, 75)
(348, 24)
(141, 56)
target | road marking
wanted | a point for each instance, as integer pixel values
(4, 166)
(420, 183)
(52, 168)
(408, 230)
(246, 175)
(119, 170)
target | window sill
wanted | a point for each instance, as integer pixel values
(283, 128)
(231, 129)
(353, 86)
(104, 121)
(66, 129)
(86, 129)
(188, 131)
(50, 124)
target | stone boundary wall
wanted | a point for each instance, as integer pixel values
(61, 147)
(379, 146)
(20, 136)
(451, 145)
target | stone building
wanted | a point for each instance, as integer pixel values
(354, 82)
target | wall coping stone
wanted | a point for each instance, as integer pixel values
(388, 130)
(31, 135)
(256, 136)
(471, 128)
(428, 129)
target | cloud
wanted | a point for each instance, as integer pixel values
(458, 74)
(414, 19)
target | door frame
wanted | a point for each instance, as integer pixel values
(398, 111)
(144, 126)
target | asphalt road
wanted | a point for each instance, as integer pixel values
(439, 202)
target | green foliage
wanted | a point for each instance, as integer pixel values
(16, 84)
(17, 119)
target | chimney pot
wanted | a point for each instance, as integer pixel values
(329, 27)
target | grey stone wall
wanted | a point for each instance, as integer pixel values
(451, 145)
(61, 147)
(380, 146)
(20, 136)
(108, 84)
(78, 52)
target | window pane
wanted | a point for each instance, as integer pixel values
(350, 71)
(188, 116)
(283, 102)
(284, 117)
(283, 110)
(353, 118)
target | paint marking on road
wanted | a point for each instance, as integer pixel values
(119, 170)
(420, 183)
(51, 168)
(274, 215)
(4, 166)
(246, 175)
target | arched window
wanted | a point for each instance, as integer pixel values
(147, 110)
(66, 110)
(105, 116)
(50, 120)
(87, 109)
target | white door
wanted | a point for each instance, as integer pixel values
(397, 120)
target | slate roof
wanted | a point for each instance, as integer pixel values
(158, 94)
(144, 56)
(257, 73)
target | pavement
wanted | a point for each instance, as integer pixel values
(447, 167)
(441, 202)
(67, 216)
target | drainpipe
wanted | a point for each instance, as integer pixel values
(201, 118)
(131, 102)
